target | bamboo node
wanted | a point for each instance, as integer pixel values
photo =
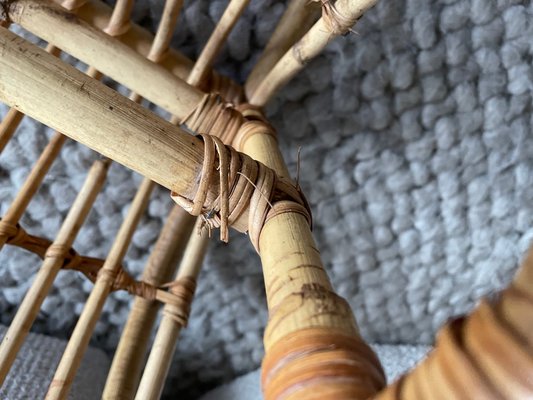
(336, 22)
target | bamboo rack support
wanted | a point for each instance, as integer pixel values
(125, 370)
(121, 129)
(20, 326)
(79, 340)
(299, 16)
(114, 59)
(300, 299)
(307, 48)
(162, 352)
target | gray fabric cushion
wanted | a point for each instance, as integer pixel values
(35, 365)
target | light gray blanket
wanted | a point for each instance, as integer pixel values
(416, 158)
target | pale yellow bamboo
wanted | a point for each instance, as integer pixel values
(12, 120)
(232, 13)
(79, 340)
(308, 47)
(113, 58)
(120, 19)
(166, 28)
(299, 16)
(158, 363)
(130, 353)
(44, 279)
(63, 98)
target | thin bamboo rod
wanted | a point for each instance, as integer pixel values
(308, 47)
(158, 363)
(165, 30)
(160, 357)
(299, 16)
(217, 39)
(12, 120)
(114, 59)
(26, 314)
(79, 340)
(120, 18)
(63, 98)
(125, 371)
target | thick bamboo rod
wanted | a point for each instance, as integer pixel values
(44, 279)
(79, 340)
(12, 120)
(304, 310)
(299, 16)
(308, 47)
(158, 363)
(125, 371)
(113, 58)
(63, 98)
(217, 40)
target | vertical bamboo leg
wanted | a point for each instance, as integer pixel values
(126, 368)
(158, 363)
(29, 308)
(79, 340)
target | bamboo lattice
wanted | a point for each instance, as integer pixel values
(229, 174)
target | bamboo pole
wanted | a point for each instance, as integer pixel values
(308, 47)
(20, 326)
(63, 98)
(12, 120)
(125, 370)
(79, 340)
(311, 331)
(158, 363)
(299, 16)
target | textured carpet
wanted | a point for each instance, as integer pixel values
(416, 158)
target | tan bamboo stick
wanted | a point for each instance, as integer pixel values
(119, 129)
(120, 18)
(125, 370)
(231, 14)
(305, 311)
(158, 363)
(33, 299)
(35, 178)
(165, 30)
(299, 16)
(79, 340)
(309, 46)
(112, 58)
(12, 120)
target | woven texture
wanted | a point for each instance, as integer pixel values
(415, 159)
(33, 370)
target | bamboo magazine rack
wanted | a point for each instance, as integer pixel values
(228, 173)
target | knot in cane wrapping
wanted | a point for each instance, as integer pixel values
(71, 259)
(335, 22)
(215, 117)
(183, 289)
(243, 184)
(13, 232)
(121, 280)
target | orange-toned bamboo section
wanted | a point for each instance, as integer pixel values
(231, 174)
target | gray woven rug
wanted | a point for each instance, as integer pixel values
(416, 158)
